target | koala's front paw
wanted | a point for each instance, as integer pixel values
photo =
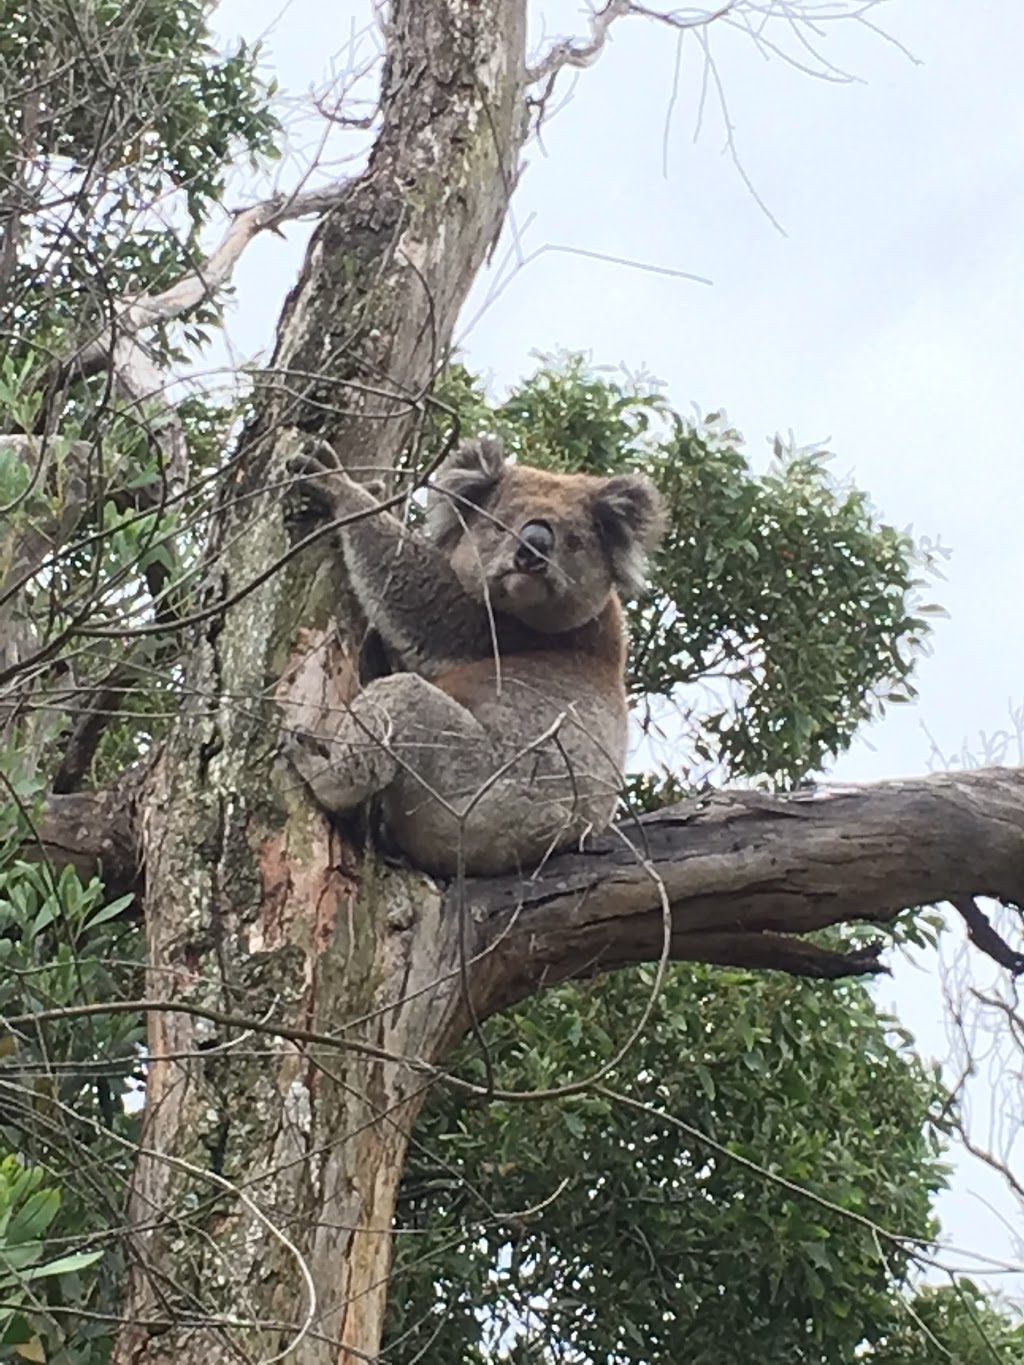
(332, 489)
(319, 477)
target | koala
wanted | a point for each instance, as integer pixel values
(502, 737)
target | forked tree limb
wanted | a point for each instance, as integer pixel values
(746, 875)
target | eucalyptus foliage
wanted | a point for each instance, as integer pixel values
(27, 1209)
(784, 1134)
(954, 1322)
(64, 1125)
(121, 122)
(756, 1208)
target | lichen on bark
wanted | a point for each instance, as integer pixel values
(254, 904)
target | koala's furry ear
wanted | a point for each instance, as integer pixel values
(630, 514)
(466, 479)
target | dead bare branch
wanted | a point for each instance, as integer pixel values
(118, 347)
(200, 284)
(570, 52)
(986, 938)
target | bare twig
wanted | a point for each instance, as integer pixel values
(117, 346)
(574, 53)
(570, 52)
(984, 937)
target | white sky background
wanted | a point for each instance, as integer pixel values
(888, 320)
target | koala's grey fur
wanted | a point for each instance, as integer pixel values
(504, 737)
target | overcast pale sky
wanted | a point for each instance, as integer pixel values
(888, 319)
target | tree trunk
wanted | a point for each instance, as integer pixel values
(264, 1193)
(265, 1187)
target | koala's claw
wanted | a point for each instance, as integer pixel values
(317, 472)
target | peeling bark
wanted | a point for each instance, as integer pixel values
(265, 1187)
(253, 903)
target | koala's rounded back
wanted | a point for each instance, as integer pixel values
(545, 548)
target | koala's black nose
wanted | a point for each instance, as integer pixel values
(536, 542)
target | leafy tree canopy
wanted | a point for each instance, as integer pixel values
(782, 615)
(954, 1322)
(586, 1229)
(121, 122)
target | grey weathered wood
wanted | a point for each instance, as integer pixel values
(744, 873)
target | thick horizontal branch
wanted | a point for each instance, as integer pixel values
(745, 873)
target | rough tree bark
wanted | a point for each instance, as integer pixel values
(252, 902)
(265, 1186)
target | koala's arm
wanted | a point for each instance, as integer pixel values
(405, 584)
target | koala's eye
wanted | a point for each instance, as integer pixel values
(573, 541)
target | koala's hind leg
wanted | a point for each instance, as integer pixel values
(399, 725)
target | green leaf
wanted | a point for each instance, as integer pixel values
(109, 911)
(706, 1083)
(34, 1216)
